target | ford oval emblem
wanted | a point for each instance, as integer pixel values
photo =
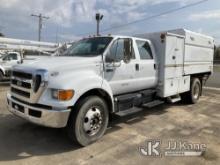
(19, 83)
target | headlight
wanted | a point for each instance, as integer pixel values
(62, 95)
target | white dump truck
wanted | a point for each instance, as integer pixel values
(105, 75)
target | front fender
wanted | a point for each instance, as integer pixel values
(96, 83)
(80, 82)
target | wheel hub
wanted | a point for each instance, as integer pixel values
(92, 121)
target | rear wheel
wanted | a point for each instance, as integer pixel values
(195, 92)
(88, 121)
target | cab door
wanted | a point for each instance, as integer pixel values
(146, 76)
(11, 59)
(120, 73)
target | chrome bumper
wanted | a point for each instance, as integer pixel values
(49, 118)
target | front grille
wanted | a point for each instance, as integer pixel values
(20, 83)
(28, 87)
(22, 75)
(20, 92)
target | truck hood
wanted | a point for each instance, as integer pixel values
(59, 64)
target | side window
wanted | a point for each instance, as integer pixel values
(14, 56)
(144, 50)
(117, 50)
(11, 57)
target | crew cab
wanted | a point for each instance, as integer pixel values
(104, 75)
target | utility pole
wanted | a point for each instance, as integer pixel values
(40, 25)
(98, 18)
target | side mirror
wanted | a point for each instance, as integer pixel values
(127, 50)
(117, 64)
(114, 64)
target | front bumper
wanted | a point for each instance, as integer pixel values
(49, 118)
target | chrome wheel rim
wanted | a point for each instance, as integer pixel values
(196, 91)
(92, 121)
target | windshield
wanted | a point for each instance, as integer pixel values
(3, 56)
(88, 47)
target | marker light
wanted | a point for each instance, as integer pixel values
(62, 95)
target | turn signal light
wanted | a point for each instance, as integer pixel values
(63, 95)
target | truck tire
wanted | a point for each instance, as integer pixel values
(88, 120)
(195, 92)
(1, 76)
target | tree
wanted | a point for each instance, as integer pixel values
(217, 53)
(1, 34)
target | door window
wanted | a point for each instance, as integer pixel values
(117, 51)
(144, 50)
(12, 56)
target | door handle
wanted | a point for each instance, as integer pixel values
(137, 67)
(154, 66)
(109, 69)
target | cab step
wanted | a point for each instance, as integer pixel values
(138, 109)
(174, 99)
(153, 104)
(129, 111)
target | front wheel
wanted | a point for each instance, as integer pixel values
(195, 92)
(88, 120)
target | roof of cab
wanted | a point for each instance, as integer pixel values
(119, 36)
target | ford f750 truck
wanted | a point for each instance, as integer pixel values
(104, 75)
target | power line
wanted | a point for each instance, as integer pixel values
(151, 17)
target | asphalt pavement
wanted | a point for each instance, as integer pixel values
(24, 143)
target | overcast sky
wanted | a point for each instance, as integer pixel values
(69, 19)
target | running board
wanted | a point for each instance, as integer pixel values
(153, 104)
(138, 109)
(129, 111)
(174, 99)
